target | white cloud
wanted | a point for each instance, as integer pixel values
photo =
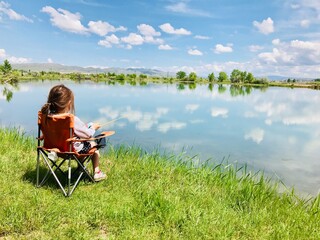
(13, 59)
(305, 23)
(268, 122)
(195, 52)
(197, 121)
(3, 53)
(113, 39)
(182, 7)
(249, 114)
(165, 127)
(313, 4)
(19, 60)
(148, 33)
(296, 52)
(201, 37)
(108, 41)
(13, 15)
(217, 112)
(302, 120)
(103, 28)
(255, 48)
(151, 39)
(167, 28)
(191, 107)
(133, 39)
(276, 56)
(147, 30)
(270, 109)
(109, 112)
(255, 135)
(276, 41)
(266, 26)
(165, 47)
(219, 48)
(65, 20)
(143, 121)
(178, 7)
(161, 111)
(49, 60)
(295, 6)
(146, 122)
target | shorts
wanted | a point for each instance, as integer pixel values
(83, 147)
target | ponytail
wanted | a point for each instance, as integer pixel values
(46, 108)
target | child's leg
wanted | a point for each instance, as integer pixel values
(95, 161)
(98, 174)
(95, 158)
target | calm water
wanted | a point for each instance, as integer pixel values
(276, 130)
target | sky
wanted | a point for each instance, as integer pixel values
(265, 37)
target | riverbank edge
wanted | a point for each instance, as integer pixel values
(149, 195)
(161, 80)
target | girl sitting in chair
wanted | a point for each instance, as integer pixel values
(60, 101)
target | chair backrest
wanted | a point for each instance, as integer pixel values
(56, 129)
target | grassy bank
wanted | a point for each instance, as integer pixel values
(147, 196)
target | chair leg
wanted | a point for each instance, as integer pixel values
(69, 177)
(83, 166)
(53, 167)
(38, 167)
(51, 170)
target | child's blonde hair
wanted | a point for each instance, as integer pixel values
(60, 100)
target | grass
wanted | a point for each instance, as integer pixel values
(147, 196)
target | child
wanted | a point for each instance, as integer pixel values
(60, 101)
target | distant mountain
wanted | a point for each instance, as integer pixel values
(284, 78)
(38, 67)
(276, 78)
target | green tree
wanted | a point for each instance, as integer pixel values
(192, 76)
(211, 77)
(6, 67)
(143, 76)
(249, 78)
(236, 76)
(223, 77)
(181, 75)
(120, 77)
(132, 76)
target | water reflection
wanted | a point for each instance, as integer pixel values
(8, 88)
(276, 129)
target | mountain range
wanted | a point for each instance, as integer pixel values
(47, 67)
(55, 67)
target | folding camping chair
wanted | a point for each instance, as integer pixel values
(55, 147)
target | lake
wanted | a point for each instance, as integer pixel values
(276, 130)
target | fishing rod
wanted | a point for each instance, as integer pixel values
(114, 120)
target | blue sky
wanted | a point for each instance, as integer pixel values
(265, 37)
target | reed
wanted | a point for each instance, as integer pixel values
(148, 195)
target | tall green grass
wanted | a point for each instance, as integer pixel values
(147, 196)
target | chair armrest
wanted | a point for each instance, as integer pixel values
(101, 135)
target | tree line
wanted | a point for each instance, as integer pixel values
(237, 76)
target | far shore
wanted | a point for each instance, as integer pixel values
(142, 79)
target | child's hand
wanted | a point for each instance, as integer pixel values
(96, 126)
